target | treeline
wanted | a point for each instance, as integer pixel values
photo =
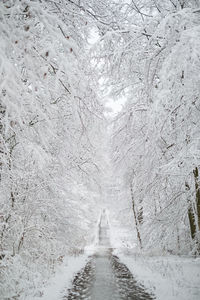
(51, 124)
(151, 57)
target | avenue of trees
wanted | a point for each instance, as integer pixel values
(151, 57)
(55, 138)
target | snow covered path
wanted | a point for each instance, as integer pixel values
(104, 276)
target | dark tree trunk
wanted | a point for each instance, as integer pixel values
(140, 213)
(192, 222)
(197, 191)
(135, 217)
(191, 216)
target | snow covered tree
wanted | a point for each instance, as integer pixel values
(152, 61)
(50, 130)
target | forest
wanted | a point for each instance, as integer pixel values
(66, 155)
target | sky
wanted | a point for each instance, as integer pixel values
(113, 107)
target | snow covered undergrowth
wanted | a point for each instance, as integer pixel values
(59, 284)
(169, 278)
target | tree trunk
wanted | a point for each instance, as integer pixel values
(135, 217)
(197, 190)
(140, 213)
(191, 216)
(178, 240)
(192, 222)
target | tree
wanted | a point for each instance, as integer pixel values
(153, 62)
(50, 125)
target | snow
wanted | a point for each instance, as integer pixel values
(169, 277)
(99, 110)
(62, 280)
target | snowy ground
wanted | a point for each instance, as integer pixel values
(62, 280)
(105, 277)
(169, 278)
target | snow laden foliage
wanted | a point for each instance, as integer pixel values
(51, 125)
(52, 130)
(153, 61)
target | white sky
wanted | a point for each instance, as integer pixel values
(113, 106)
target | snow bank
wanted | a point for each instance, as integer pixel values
(59, 284)
(169, 278)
